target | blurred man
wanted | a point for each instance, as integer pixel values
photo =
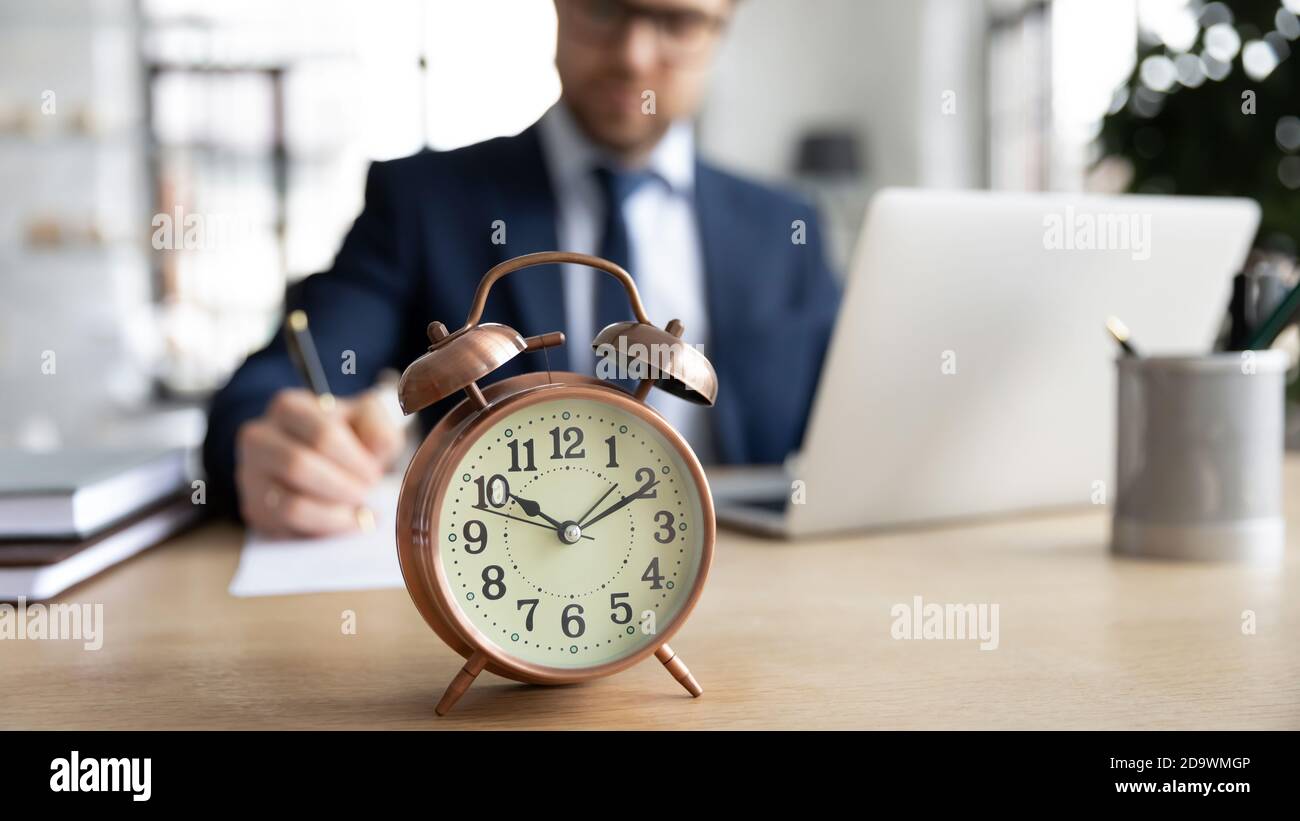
(610, 170)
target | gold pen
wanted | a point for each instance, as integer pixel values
(1121, 334)
(302, 350)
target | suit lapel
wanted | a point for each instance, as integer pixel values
(719, 233)
(526, 202)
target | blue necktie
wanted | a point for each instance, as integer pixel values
(611, 302)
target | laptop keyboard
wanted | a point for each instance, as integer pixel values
(769, 505)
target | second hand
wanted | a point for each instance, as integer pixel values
(584, 516)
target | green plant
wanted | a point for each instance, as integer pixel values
(1213, 128)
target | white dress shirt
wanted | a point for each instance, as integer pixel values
(666, 259)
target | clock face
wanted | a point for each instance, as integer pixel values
(571, 533)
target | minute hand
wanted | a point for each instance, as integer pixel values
(626, 500)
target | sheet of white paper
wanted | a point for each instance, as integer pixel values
(361, 560)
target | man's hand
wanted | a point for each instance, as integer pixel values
(304, 470)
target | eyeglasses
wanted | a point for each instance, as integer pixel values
(682, 33)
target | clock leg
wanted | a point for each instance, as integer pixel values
(473, 666)
(677, 667)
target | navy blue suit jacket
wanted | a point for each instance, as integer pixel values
(424, 240)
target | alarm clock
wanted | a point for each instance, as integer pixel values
(553, 528)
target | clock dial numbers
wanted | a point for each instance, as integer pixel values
(476, 538)
(529, 462)
(665, 533)
(493, 491)
(531, 604)
(494, 582)
(653, 575)
(617, 606)
(571, 621)
(573, 440)
(646, 476)
(570, 530)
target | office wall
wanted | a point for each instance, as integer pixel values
(73, 276)
(877, 67)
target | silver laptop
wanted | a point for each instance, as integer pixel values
(970, 373)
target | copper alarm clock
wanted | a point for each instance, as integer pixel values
(552, 527)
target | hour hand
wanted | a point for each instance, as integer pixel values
(531, 508)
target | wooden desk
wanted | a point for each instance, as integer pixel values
(786, 636)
